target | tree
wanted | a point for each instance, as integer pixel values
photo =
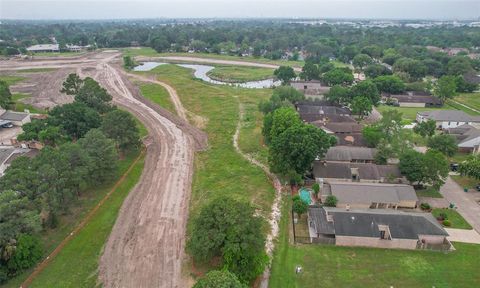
(293, 151)
(331, 201)
(229, 228)
(75, 119)
(103, 155)
(51, 135)
(367, 89)
(372, 135)
(389, 84)
(411, 165)
(361, 61)
(284, 74)
(288, 93)
(425, 128)
(299, 206)
(310, 71)
(415, 68)
(128, 62)
(339, 94)
(464, 86)
(429, 168)
(121, 127)
(459, 65)
(281, 120)
(338, 76)
(444, 143)
(471, 167)
(94, 96)
(27, 252)
(316, 189)
(445, 87)
(219, 279)
(72, 84)
(361, 106)
(376, 70)
(5, 95)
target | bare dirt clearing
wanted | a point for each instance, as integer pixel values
(146, 245)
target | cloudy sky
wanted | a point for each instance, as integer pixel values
(115, 9)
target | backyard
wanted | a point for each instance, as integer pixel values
(331, 266)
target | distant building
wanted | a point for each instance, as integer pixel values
(468, 138)
(16, 118)
(347, 133)
(350, 154)
(379, 229)
(356, 172)
(446, 119)
(44, 48)
(311, 111)
(370, 195)
(412, 99)
(311, 89)
(76, 48)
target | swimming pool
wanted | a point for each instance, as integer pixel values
(305, 196)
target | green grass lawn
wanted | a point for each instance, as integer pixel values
(465, 182)
(455, 218)
(409, 113)
(469, 99)
(158, 95)
(429, 192)
(10, 79)
(239, 73)
(331, 266)
(149, 52)
(457, 106)
(20, 106)
(251, 139)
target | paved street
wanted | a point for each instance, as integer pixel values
(465, 202)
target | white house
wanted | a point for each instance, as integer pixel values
(44, 48)
(446, 119)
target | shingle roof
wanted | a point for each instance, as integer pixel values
(343, 127)
(319, 217)
(343, 170)
(366, 193)
(13, 116)
(402, 225)
(417, 99)
(349, 153)
(449, 115)
(464, 133)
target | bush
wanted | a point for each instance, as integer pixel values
(425, 206)
(447, 223)
(27, 253)
(331, 201)
(442, 216)
(299, 206)
(316, 189)
(219, 279)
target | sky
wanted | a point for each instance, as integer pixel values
(356, 9)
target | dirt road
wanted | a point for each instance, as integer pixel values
(146, 245)
(210, 61)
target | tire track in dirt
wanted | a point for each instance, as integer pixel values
(276, 209)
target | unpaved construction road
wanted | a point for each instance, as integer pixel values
(146, 245)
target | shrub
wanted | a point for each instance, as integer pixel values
(425, 206)
(331, 201)
(299, 206)
(316, 189)
(447, 223)
(442, 216)
(27, 253)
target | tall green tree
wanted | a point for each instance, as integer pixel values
(426, 128)
(284, 74)
(361, 61)
(444, 143)
(339, 95)
(338, 76)
(5, 95)
(367, 89)
(72, 84)
(389, 84)
(310, 71)
(75, 119)
(445, 87)
(219, 279)
(471, 167)
(121, 127)
(94, 96)
(281, 120)
(361, 106)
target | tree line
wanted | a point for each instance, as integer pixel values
(83, 141)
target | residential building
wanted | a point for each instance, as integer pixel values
(356, 172)
(311, 89)
(446, 119)
(44, 48)
(350, 154)
(412, 99)
(16, 118)
(347, 133)
(378, 228)
(76, 48)
(468, 138)
(311, 111)
(7, 154)
(370, 195)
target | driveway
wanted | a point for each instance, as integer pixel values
(465, 202)
(463, 235)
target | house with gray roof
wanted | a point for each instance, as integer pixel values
(377, 228)
(16, 118)
(446, 119)
(44, 48)
(311, 111)
(358, 195)
(350, 154)
(412, 99)
(468, 138)
(357, 172)
(311, 89)
(347, 133)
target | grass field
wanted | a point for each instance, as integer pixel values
(158, 95)
(409, 113)
(251, 139)
(11, 80)
(429, 192)
(469, 99)
(36, 70)
(20, 106)
(149, 52)
(455, 218)
(330, 266)
(239, 74)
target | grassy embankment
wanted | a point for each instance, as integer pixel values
(330, 266)
(158, 95)
(454, 217)
(76, 265)
(149, 52)
(220, 170)
(236, 74)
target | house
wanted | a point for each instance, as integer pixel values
(358, 195)
(412, 99)
(311, 89)
(356, 172)
(311, 111)
(446, 119)
(8, 154)
(350, 154)
(76, 48)
(44, 48)
(468, 138)
(347, 133)
(16, 118)
(379, 229)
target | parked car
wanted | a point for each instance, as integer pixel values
(8, 125)
(454, 167)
